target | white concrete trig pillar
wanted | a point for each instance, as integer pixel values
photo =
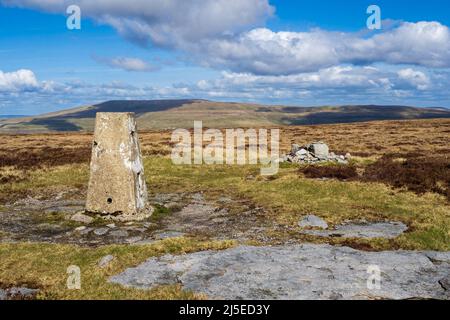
(116, 184)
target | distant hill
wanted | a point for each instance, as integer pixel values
(9, 116)
(169, 114)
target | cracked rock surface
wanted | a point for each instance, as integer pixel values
(387, 230)
(308, 271)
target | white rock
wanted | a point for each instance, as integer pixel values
(319, 149)
(301, 152)
(105, 261)
(313, 221)
(100, 231)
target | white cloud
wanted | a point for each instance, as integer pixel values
(16, 81)
(415, 78)
(328, 86)
(229, 34)
(127, 64)
(165, 22)
(262, 51)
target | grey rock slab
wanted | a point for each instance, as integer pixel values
(313, 221)
(308, 271)
(387, 230)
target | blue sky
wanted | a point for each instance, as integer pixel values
(274, 52)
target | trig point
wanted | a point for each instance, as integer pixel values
(117, 185)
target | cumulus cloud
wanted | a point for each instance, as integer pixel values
(17, 81)
(262, 51)
(333, 85)
(165, 22)
(415, 78)
(126, 63)
(229, 34)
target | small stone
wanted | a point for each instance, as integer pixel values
(145, 241)
(133, 239)
(100, 231)
(119, 233)
(105, 261)
(225, 199)
(348, 156)
(111, 225)
(198, 197)
(172, 206)
(85, 231)
(313, 221)
(148, 224)
(80, 217)
(301, 152)
(295, 148)
(80, 228)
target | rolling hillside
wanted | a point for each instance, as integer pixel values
(169, 114)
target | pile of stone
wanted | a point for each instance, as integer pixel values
(315, 152)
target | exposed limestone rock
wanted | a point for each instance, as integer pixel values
(308, 271)
(387, 230)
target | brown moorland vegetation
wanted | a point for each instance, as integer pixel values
(360, 139)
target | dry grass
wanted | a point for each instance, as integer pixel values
(360, 139)
(44, 266)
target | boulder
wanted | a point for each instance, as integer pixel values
(319, 149)
(301, 152)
